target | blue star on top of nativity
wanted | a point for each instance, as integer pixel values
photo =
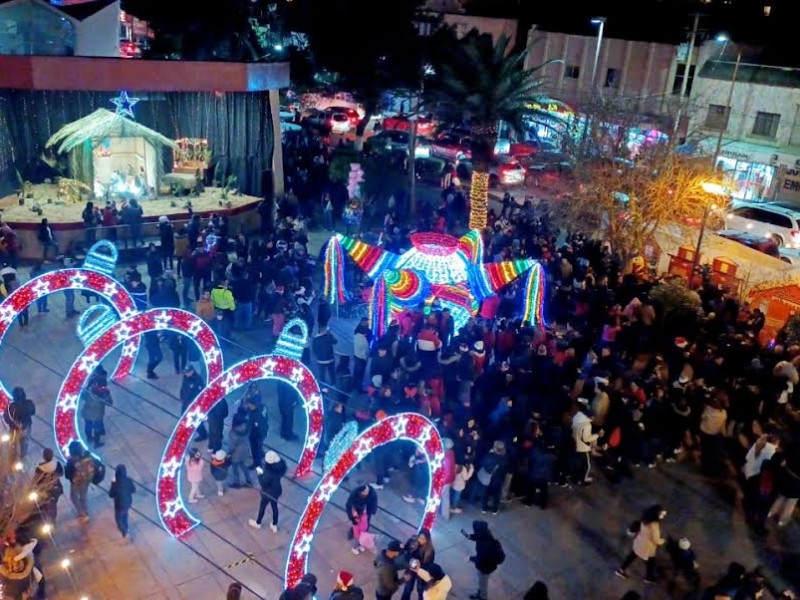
(124, 104)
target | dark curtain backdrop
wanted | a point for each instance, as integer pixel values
(238, 127)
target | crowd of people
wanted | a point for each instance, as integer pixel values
(615, 382)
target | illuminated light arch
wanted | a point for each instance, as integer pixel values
(174, 515)
(78, 280)
(405, 426)
(67, 428)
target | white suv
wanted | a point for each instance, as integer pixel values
(779, 222)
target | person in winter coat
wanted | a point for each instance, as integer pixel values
(47, 478)
(584, 439)
(449, 464)
(323, 344)
(345, 589)
(645, 543)
(488, 556)
(464, 473)
(387, 564)
(80, 473)
(194, 474)
(269, 478)
(787, 482)
(216, 421)
(422, 555)
(122, 490)
(362, 338)
(19, 418)
(255, 412)
(219, 470)
(541, 471)
(166, 234)
(362, 501)
(96, 396)
(491, 476)
(437, 582)
(239, 450)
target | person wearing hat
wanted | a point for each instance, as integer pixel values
(387, 564)
(269, 478)
(345, 589)
(219, 470)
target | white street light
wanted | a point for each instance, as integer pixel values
(601, 23)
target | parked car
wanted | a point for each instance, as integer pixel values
(451, 146)
(779, 222)
(315, 119)
(790, 255)
(546, 164)
(506, 170)
(338, 121)
(396, 142)
(352, 114)
(426, 127)
(754, 241)
(530, 147)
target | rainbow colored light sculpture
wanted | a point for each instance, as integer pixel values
(438, 268)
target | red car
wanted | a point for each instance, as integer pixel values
(425, 125)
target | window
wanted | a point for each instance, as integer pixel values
(717, 117)
(572, 71)
(771, 218)
(612, 78)
(766, 124)
(678, 82)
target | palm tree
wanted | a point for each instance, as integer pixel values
(480, 83)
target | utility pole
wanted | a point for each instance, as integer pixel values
(687, 65)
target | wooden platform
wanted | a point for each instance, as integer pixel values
(65, 218)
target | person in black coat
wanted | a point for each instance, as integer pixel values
(122, 490)
(540, 472)
(488, 556)
(166, 234)
(216, 422)
(362, 501)
(269, 478)
(287, 400)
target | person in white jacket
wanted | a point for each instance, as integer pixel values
(439, 584)
(584, 439)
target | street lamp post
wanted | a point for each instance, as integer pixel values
(712, 189)
(601, 23)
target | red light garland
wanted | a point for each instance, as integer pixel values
(176, 519)
(405, 426)
(70, 279)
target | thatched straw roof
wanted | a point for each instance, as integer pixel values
(102, 124)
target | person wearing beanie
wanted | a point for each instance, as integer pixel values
(387, 564)
(345, 588)
(219, 470)
(269, 478)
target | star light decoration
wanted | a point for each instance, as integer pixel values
(124, 104)
(77, 280)
(275, 367)
(123, 332)
(438, 268)
(405, 426)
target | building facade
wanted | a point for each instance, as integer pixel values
(35, 27)
(760, 144)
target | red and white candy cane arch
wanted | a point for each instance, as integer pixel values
(176, 519)
(66, 424)
(71, 279)
(405, 426)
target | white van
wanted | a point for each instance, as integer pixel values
(779, 222)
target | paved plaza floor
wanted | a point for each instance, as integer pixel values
(574, 546)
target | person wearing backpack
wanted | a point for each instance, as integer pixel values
(122, 490)
(488, 556)
(80, 472)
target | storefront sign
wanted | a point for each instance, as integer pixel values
(737, 155)
(789, 187)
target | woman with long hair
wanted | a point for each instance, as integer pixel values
(645, 543)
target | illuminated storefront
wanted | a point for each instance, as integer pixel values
(747, 179)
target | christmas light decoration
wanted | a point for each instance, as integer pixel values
(94, 321)
(334, 272)
(533, 297)
(67, 411)
(478, 200)
(437, 269)
(70, 279)
(102, 257)
(290, 344)
(405, 426)
(339, 444)
(124, 104)
(173, 513)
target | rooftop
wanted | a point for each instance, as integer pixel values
(751, 73)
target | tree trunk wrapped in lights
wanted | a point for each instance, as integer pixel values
(478, 199)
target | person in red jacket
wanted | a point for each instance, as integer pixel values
(449, 465)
